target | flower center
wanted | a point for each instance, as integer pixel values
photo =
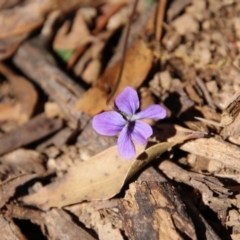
(124, 115)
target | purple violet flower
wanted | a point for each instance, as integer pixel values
(126, 122)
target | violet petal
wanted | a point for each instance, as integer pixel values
(127, 101)
(126, 147)
(154, 111)
(141, 132)
(108, 123)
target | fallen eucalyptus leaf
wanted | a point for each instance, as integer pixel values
(99, 178)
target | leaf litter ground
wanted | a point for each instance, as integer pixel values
(60, 179)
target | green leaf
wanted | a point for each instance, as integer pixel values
(150, 2)
(64, 54)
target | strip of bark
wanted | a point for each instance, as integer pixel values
(55, 224)
(150, 211)
(36, 129)
(154, 209)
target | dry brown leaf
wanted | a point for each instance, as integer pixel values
(25, 94)
(99, 178)
(138, 63)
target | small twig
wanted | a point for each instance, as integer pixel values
(159, 24)
(205, 92)
(159, 19)
(123, 56)
(209, 121)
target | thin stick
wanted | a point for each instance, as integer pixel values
(209, 121)
(205, 92)
(123, 56)
(160, 17)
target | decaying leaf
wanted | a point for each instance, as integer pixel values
(99, 178)
(25, 94)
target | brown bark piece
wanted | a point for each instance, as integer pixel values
(101, 216)
(211, 148)
(207, 185)
(9, 231)
(58, 139)
(214, 194)
(231, 110)
(34, 60)
(55, 224)
(23, 161)
(230, 119)
(7, 188)
(60, 226)
(231, 131)
(154, 210)
(35, 129)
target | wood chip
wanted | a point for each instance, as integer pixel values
(37, 128)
